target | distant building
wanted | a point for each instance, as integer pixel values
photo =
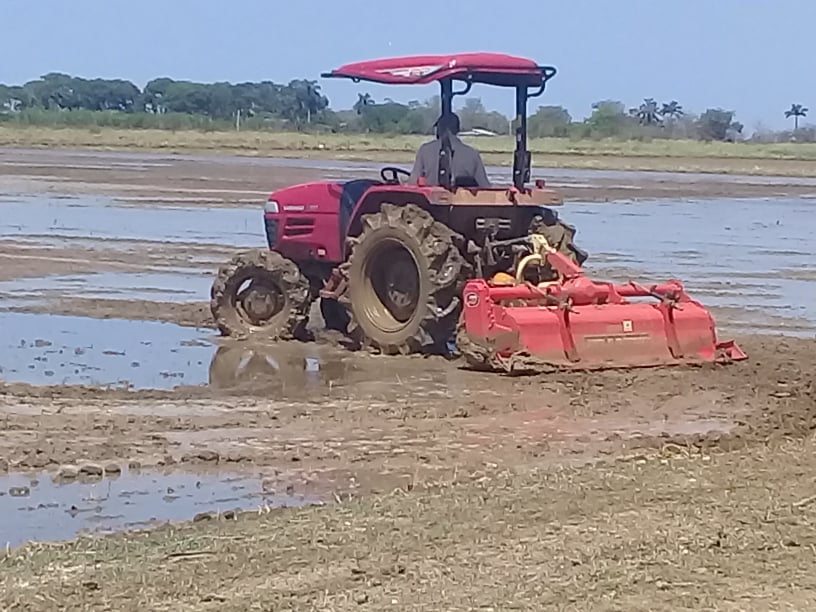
(478, 132)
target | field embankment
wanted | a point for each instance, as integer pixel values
(785, 159)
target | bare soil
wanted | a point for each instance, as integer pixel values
(675, 488)
(671, 531)
(473, 504)
(155, 180)
(186, 314)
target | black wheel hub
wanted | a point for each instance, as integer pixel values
(260, 302)
(401, 287)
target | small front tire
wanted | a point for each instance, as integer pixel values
(259, 292)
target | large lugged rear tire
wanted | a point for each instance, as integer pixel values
(259, 292)
(405, 278)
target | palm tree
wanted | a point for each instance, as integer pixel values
(363, 100)
(796, 111)
(672, 109)
(648, 113)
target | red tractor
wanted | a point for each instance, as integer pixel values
(406, 268)
(388, 260)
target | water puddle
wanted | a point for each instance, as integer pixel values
(118, 353)
(62, 350)
(52, 218)
(301, 371)
(45, 507)
(175, 285)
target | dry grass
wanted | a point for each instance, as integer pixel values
(728, 531)
(676, 155)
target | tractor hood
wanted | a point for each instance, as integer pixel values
(320, 197)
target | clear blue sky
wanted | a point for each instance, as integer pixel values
(751, 56)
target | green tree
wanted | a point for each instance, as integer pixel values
(549, 121)
(648, 113)
(15, 98)
(718, 124)
(671, 110)
(796, 111)
(384, 118)
(363, 100)
(608, 118)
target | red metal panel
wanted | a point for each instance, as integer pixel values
(424, 69)
(582, 324)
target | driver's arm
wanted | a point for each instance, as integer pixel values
(419, 167)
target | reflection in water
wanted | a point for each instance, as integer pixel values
(305, 371)
(235, 364)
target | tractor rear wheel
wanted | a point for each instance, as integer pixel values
(405, 277)
(259, 292)
(560, 235)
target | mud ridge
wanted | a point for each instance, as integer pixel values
(185, 314)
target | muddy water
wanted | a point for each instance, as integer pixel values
(175, 285)
(44, 507)
(118, 353)
(47, 219)
(750, 260)
(58, 350)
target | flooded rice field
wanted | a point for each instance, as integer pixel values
(60, 350)
(750, 260)
(108, 355)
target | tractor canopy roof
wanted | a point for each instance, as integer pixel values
(488, 68)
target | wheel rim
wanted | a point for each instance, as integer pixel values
(258, 300)
(391, 286)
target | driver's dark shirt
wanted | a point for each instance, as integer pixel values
(466, 162)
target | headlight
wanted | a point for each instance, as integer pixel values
(271, 207)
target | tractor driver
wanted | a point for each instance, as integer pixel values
(467, 167)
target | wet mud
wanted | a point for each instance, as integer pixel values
(108, 354)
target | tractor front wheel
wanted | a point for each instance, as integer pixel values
(259, 292)
(405, 277)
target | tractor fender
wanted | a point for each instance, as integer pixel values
(373, 199)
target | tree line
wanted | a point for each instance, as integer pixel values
(297, 102)
(62, 99)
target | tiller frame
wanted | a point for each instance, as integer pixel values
(577, 323)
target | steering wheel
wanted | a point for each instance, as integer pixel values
(393, 180)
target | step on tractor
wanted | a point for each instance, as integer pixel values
(405, 267)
